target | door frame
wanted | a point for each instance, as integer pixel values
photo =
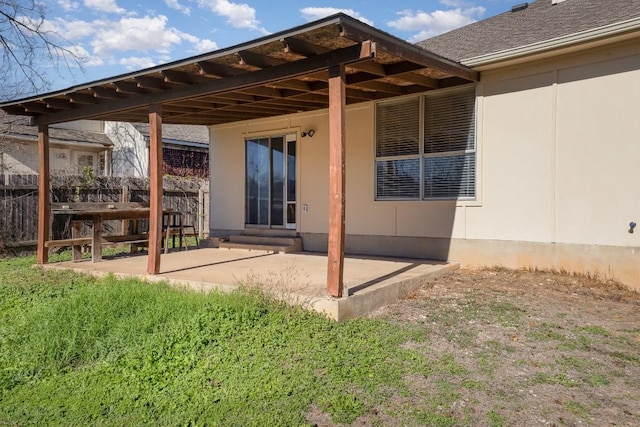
(288, 138)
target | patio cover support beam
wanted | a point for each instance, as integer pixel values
(337, 105)
(155, 188)
(44, 202)
(254, 79)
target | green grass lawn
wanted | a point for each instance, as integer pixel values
(75, 350)
(489, 348)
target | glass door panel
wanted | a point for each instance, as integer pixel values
(291, 184)
(271, 182)
(257, 181)
(277, 181)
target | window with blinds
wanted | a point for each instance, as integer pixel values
(398, 149)
(426, 146)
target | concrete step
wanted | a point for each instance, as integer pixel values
(275, 244)
(271, 232)
(263, 240)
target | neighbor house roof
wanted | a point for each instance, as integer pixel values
(17, 127)
(539, 21)
(178, 133)
(286, 72)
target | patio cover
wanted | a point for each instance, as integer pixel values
(324, 64)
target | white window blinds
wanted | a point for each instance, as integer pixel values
(426, 146)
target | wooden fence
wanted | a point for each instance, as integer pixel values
(19, 202)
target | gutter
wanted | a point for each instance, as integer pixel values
(181, 143)
(615, 29)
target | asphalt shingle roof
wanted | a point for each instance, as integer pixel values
(540, 21)
(18, 127)
(186, 133)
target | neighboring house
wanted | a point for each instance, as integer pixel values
(185, 149)
(516, 144)
(536, 165)
(76, 148)
(105, 148)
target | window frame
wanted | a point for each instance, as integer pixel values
(422, 155)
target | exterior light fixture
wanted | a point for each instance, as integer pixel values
(308, 133)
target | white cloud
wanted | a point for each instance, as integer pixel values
(430, 24)
(313, 13)
(68, 5)
(200, 45)
(70, 30)
(104, 6)
(173, 4)
(85, 57)
(239, 15)
(109, 38)
(136, 62)
(137, 34)
(205, 45)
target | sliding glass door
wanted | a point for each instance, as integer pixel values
(271, 182)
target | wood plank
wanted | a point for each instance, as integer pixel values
(44, 199)
(337, 140)
(155, 188)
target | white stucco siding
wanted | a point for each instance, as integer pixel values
(227, 179)
(598, 135)
(130, 156)
(517, 155)
(557, 155)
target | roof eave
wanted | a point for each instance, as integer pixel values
(618, 29)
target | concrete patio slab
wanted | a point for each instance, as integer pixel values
(297, 278)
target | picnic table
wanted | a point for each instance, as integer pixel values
(96, 214)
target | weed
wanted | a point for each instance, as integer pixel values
(594, 330)
(561, 379)
(546, 332)
(495, 419)
(578, 409)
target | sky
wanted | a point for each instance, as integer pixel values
(113, 37)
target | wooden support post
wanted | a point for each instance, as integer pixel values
(76, 228)
(335, 267)
(96, 240)
(44, 198)
(125, 227)
(155, 188)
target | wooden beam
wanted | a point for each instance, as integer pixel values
(146, 82)
(82, 98)
(128, 87)
(218, 86)
(337, 140)
(259, 60)
(103, 92)
(60, 104)
(44, 198)
(370, 67)
(218, 70)
(360, 32)
(302, 47)
(178, 77)
(155, 188)
(36, 107)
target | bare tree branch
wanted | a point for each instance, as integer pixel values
(29, 50)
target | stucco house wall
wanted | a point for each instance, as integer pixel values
(557, 159)
(130, 152)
